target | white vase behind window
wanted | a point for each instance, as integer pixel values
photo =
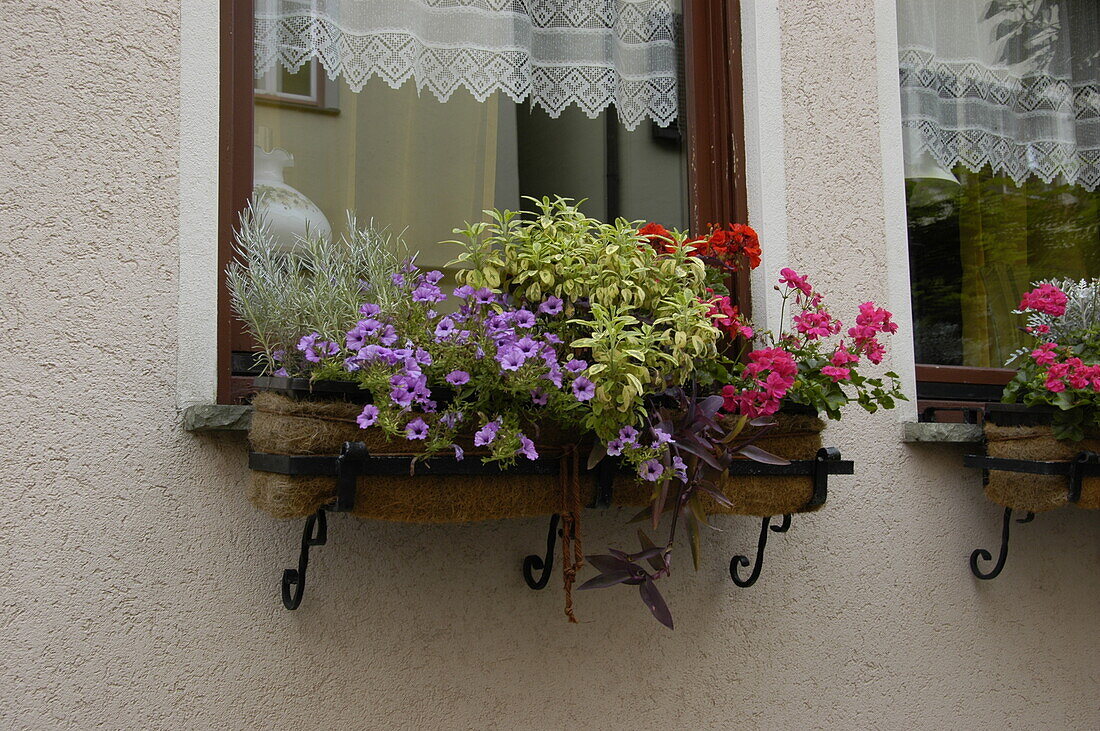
(288, 212)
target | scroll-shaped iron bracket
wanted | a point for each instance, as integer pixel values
(1084, 463)
(738, 562)
(984, 555)
(353, 461)
(544, 566)
(315, 533)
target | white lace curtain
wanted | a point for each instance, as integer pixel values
(591, 53)
(1013, 84)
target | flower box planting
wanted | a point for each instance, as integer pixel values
(571, 363)
(1043, 443)
(1052, 406)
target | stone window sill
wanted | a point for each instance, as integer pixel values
(217, 418)
(913, 432)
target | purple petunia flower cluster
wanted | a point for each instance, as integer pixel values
(479, 351)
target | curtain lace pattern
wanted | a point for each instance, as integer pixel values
(1012, 84)
(553, 53)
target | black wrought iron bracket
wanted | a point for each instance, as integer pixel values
(741, 561)
(827, 462)
(356, 461)
(1084, 464)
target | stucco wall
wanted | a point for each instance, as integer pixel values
(139, 587)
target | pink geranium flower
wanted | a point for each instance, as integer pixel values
(1047, 299)
(837, 374)
(794, 280)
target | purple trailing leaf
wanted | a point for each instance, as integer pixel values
(759, 455)
(657, 564)
(608, 564)
(656, 603)
(605, 580)
(710, 405)
(599, 451)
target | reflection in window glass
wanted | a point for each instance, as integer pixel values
(419, 165)
(1001, 117)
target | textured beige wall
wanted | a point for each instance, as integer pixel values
(138, 588)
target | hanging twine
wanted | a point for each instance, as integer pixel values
(572, 553)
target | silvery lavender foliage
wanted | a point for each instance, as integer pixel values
(316, 288)
(1079, 324)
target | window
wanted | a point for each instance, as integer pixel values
(1001, 124)
(450, 108)
(304, 87)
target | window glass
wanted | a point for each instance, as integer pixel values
(420, 139)
(1001, 117)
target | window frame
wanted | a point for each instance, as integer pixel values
(715, 148)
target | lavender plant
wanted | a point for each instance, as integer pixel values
(316, 288)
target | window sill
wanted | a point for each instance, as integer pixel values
(913, 432)
(217, 418)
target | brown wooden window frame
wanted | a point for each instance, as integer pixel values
(715, 144)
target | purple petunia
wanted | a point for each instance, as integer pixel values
(428, 292)
(405, 382)
(459, 453)
(398, 279)
(583, 389)
(370, 310)
(650, 470)
(527, 346)
(434, 277)
(315, 349)
(615, 447)
(416, 429)
(308, 341)
(539, 397)
(524, 318)
(375, 352)
(401, 397)
(445, 328)
(629, 435)
(552, 306)
(451, 419)
(576, 365)
(464, 291)
(679, 469)
(282, 373)
(388, 337)
(554, 375)
(484, 296)
(527, 448)
(357, 336)
(368, 417)
(458, 378)
(660, 436)
(486, 434)
(510, 359)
